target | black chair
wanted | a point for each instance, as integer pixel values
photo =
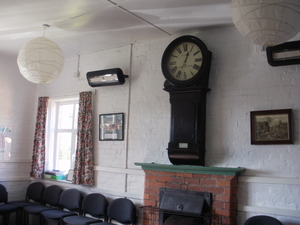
(50, 199)
(34, 194)
(94, 205)
(262, 220)
(69, 205)
(121, 210)
(6, 209)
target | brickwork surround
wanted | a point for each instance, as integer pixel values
(224, 189)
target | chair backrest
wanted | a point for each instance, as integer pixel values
(95, 204)
(35, 192)
(262, 220)
(70, 199)
(51, 195)
(3, 194)
(122, 210)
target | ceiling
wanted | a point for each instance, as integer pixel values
(84, 26)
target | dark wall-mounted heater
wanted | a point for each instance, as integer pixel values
(106, 77)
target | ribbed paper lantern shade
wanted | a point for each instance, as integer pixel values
(266, 22)
(40, 60)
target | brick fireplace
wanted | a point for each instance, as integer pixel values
(222, 183)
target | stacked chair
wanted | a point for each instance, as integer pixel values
(6, 209)
(50, 200)
(95, 205)
(69, 205)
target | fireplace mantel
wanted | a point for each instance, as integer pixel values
(221, 182)
(191, 169)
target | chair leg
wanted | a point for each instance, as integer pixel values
(6, 219)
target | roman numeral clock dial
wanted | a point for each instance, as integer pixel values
(185, 65)
(185, 60)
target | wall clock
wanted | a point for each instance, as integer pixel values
(185, 65)
(185, 61)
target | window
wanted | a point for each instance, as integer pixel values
(61, 134)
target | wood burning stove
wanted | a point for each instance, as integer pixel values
(184, 207)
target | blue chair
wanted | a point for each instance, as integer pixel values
(34, 194)
(121, 210)
(50, 200)
(94, 205)
(69, 205)
(262, 220)
(6, 209)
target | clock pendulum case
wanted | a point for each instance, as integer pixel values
(185, 65)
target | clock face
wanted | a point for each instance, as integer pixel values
(185, 60)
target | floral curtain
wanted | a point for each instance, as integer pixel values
(38, 154)
(84, 169)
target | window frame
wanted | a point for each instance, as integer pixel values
(52, 131)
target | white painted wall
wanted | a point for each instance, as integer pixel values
(241, 81)
(17, 107)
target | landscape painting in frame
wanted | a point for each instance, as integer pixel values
(271, 127)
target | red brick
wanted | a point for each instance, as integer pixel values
(215, 190)
(177, 180)
(152, 190)
(230, 206)
(229, 177)
(146, 183)
(157, 184)
(150, 203)
(208, 182)
(223, 183)
(196, 188)
(150, 177)
(163, 178)
(217, 205)
(154, 197)
(183, 187)
(193, 181)
(173, 185)
(184, 174)
(218, 177)
(165, 173)
(231, 191)
(226, 198)
(146, 196)
(201, 176)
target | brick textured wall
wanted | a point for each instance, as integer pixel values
(223, 188)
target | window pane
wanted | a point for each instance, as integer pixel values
(64, 142)
(65, 116)
(76, 116)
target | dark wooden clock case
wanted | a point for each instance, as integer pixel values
(188, 120)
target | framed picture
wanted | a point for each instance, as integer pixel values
(111, 127)
(70, 175)
(271, 127)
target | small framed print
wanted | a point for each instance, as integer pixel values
(70, 175)
(271, 127)
(111, 127)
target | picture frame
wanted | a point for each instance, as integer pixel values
(70, 175)
(111, 127)
(270, 127)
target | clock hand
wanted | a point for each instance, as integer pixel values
(187, 54)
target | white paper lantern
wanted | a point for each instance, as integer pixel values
(266, 22)
(40, 60)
